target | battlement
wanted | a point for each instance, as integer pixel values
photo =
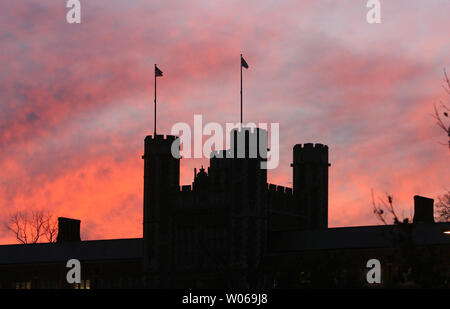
(161, 137)
(251, 130)
(280, 190)
(240, 132)
(310, 146)
(310, 152)
(280, 198)
(161, 145)
(248, 143)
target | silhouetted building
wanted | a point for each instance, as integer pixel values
(230, 228)
(219, 226)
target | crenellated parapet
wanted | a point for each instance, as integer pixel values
(279, 197)
(310, 153)
(162, 145)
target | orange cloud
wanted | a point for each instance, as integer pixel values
(76, 101)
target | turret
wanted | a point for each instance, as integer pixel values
(310, 182)
(161, 183)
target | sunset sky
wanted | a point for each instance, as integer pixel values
(76, 99)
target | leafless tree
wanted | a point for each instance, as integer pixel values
(443, 207)
(441, 113)
(385, 208)
(30, 227)
(50, 228)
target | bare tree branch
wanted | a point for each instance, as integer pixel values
(50, 228)
(446, 85)
(32, 227)
(378, 211)
(441, 113)
(18, 225)
(443, 207)
(386, 208)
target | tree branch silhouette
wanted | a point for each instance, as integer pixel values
(443, 207)
(32, 227)
(442, 113)
(384, 208)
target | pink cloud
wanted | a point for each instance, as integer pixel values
(76, 100)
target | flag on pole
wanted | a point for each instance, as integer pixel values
(158, 72)
(244, 63)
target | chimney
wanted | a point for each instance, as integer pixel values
(423, 209)
(68, 229)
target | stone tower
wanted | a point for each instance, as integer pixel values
(249, 211)
(161, 183)
(310, 182)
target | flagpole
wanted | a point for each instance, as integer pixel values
(241, 89)
(154, 130)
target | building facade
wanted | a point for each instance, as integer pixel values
(230, 228)
(215, 232)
